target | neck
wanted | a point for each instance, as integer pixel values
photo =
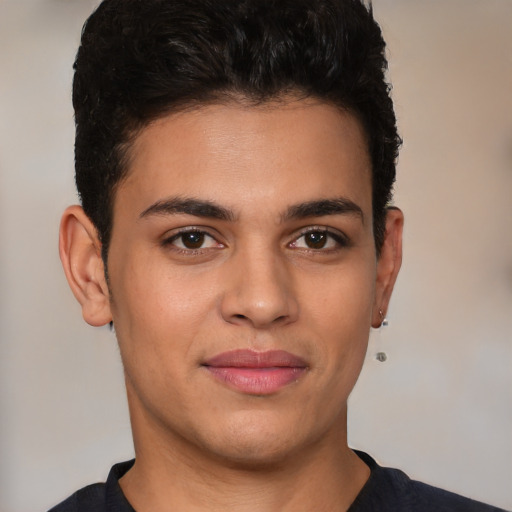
(172, 473)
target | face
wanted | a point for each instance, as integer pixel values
(243, 277)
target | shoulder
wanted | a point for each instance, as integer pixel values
(426, 497)
(392, 490)
(91, 498)
(100, 497)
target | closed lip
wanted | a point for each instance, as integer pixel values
(256, 373)
(252, 359)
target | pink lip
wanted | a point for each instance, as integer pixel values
(256, 373)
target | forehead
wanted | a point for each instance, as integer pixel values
(287, 151)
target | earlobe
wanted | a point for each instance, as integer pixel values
(80, 254)
(388, 265)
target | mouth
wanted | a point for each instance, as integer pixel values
(256, 373)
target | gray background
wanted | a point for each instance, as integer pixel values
(439, 408)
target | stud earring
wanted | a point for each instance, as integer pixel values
(383, 321)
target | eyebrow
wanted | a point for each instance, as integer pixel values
(322, 207)
(208, 209)
(188, 206)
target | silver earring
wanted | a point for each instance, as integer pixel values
(383, 320)
(382, 356)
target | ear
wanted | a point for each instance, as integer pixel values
(388, 264)
(80, 253)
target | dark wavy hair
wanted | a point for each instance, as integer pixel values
(140, 60)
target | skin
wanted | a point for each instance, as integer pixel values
(258, 282)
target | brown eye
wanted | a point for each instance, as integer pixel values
(320, 240)
(315, 239)
(192, 240)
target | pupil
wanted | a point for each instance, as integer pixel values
(316, 240)
(193, 240)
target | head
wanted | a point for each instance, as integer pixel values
(142, 60)
(234, 161)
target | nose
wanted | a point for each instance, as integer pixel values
(259, 292)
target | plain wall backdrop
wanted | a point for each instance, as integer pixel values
(439, 408)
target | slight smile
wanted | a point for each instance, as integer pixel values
(256, 373)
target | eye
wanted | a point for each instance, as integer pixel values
(192, 240)
(318, 239)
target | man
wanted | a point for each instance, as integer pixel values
(235, 162)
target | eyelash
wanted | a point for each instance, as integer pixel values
(340, 239)
(170, 241)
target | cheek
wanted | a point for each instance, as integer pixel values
(343, 297)
(159, 320)
(161, 305)
(339, 314)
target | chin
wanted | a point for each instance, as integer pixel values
(253, 456)
(258, 443)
